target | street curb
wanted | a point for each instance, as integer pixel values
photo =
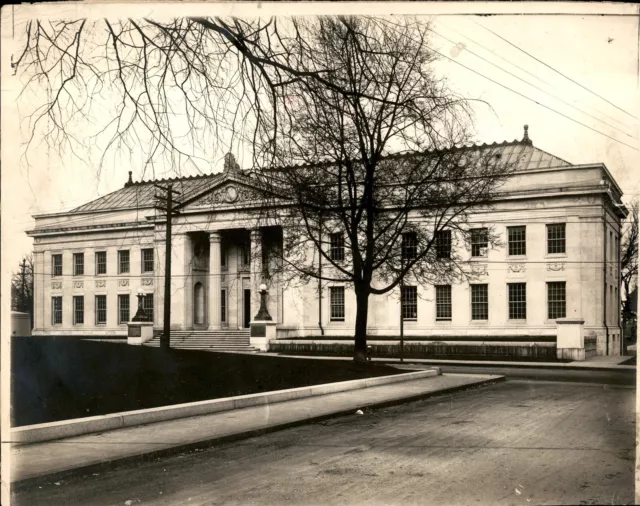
(215, 441)
(39, 433)
(516, 365)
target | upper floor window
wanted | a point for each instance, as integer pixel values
(147, 260)
(443, 302)
(123, 262)
(337, 246)
(78, 264)
(443, 244)
(479, 242)
(409, 302)
(556, 241)
(337, 303)
(56, 265)
(101, 262)
(517, 239)
(409, 245)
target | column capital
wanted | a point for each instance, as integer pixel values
(214, 236)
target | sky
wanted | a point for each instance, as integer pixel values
(598, 54)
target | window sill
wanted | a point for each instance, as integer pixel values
(517, 322)
(336, 321)
(555, 255)
(480, 322)
(410, 320)
(517, 257)
(443, 320)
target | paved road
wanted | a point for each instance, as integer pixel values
(518, 442)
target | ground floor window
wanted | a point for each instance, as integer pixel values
(78, 310)
(147, 305)
(337, 303)
(409, 302)
(479, 302)
(517, 301)
(123, 309)
(101, 309)
(56, 310)
(556, 300)
(443, 302)
(223, 305)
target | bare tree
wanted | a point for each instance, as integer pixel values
(22, 287)
(383, 190)
(629, 261)
(371, 140)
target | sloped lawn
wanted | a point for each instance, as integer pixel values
(59, 378)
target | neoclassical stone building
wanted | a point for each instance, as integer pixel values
(560, 225)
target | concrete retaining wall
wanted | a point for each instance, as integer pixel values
(543, 351)
(69, 428)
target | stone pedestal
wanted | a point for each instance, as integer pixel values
(570, 339)
(139, 332)
(262, 332)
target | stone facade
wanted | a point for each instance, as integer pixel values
(217, 264)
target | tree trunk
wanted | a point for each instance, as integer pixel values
(362, 313)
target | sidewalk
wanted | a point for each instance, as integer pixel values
(53, 460)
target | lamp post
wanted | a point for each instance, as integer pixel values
(141, 315)
(263, 314)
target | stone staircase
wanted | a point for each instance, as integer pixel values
(209, 340)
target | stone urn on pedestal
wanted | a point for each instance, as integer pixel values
(263, 328)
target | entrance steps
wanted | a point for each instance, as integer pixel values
(210, 340)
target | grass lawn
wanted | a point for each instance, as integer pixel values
(60, 378)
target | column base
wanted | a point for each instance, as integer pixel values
(139, 332)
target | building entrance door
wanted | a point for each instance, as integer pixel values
(246, 303)
(198, 304)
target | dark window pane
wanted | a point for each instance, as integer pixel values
(556, 300)
(443, 302)
(517, 301)
(409, 302)
(479, 242)
(337, 303)
(556, 240)
(517, 238)
(443, 244)
(479, 302)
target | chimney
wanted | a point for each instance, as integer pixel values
(130, 182)
(525, 139)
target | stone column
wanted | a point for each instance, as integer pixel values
(255, 270)
(214, 280)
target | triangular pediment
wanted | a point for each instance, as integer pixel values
(230, 192)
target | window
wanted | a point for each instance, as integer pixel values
(101, 262)
(56, 265)
(409, 245)
(56, 310)
(78, 310)
(223, 256)
(123, 309)
(517, 301)
(337, 247)
(101, 309)
(479, 242)
(147, 260)
(556, 242)
(147, 305)
(337, 303)
(246, 255)
(443, 244)
(78, 264)
(556, 300)
(223, 306)
(517, 237)
(409, 302)
(479, 302)
(123, 262)
(443, 302)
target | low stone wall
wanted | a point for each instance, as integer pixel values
(412, 349)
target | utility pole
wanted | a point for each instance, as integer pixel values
(401, 305)
(165, 338)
